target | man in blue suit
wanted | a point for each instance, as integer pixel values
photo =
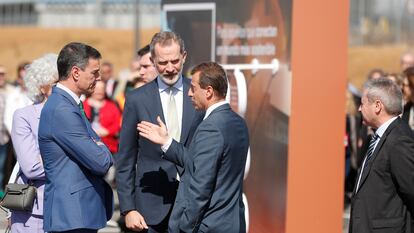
(209, 197)
(76, 197)
(147, 184)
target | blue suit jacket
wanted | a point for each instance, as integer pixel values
(209, 197)
(145, 181)
(76, 195)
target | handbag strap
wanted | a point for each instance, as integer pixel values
(29, 181)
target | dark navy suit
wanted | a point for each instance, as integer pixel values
(209, 197)
(76, 195)
(146, 182)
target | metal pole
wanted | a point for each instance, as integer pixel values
(136, 26)
(99, 8)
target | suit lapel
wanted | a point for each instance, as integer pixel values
(66, 95)
(76, 106)
(153, 101)
(188, 111)
(377, 150)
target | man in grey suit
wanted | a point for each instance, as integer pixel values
(209, 197)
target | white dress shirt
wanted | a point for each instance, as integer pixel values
(71, 93)
(212, 107)
(165, 99)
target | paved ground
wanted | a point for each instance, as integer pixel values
(115, 229)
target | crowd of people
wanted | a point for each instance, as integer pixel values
(379, 149)
(171, 146)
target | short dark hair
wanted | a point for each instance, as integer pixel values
(165, 38)
(409, 75)
(409, 71)
(22, 66)
(144, 50)
(212, 74)
(75, 54)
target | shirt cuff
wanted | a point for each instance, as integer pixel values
(167, 145)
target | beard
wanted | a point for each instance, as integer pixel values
(170, 80)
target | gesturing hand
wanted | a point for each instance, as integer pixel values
(156, 133)
(135, 221)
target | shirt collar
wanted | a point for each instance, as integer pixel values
(381, 130)
(212, 107)
(162, 87)
(71, 93)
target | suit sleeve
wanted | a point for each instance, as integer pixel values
(175, 153)
(73, 137)
(207, 146)
(26, 147)
(126, 159)
(402, 167)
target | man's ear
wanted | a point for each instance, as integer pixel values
(209, 92)
(378, 106)
(184, 56)
(75, 73)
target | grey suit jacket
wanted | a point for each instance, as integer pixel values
(209, 197)
(386, 193)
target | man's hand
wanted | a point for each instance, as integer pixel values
(135, 221)
(156, 133)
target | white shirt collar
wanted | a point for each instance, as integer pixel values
(381, 130)
(164, 87)
(212, 107)
(71, 93)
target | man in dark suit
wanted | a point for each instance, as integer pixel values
(209, 197)
(76, 197)
(147, 184)
(383, 198)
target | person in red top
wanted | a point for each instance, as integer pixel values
(104, 116)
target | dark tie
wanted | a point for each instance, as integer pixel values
(371, 147)
(82, 110)
(368, 156)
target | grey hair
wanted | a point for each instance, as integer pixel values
(165, 38)
(387, 92)
(41, 72)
